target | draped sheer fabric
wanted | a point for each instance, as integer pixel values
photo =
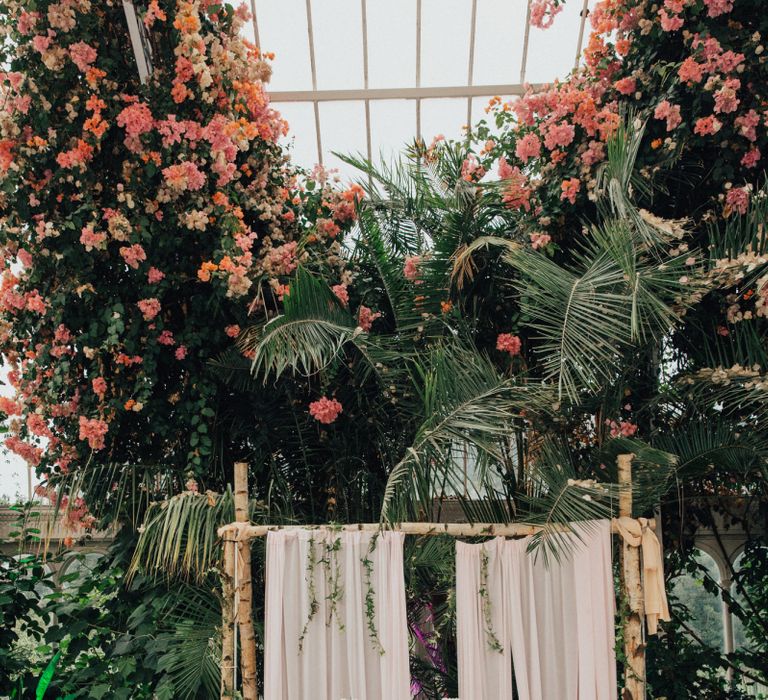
(554, 621)
(335, 653)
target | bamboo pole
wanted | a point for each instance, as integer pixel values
(228, 618)
(632, 594)
(245, 589)
(247, 532)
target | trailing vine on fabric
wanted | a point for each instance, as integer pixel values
(485, 599)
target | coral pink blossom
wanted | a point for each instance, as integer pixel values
(181, 352)
(232, 331)
(154, 275)
(670, 112)
(37, 425)
(626, 86)
(184, 176)
(133, 255)
(750, 158)
(411, 268)
(715, 8)
(559, 135)
(526, 148)
(539, 240)
(82, 55)
(166, 338)
(136, 119)
(99, 386)
(366, 317)
(623, 428)
(570, 188)
(670, 23)
(9, 406)
(543, 13)
(325, 410)
(91, 239)
(29, 453)
(737, 199)
(706, 126)
(690, 71)
(340, 290)
(725, 98)
(93, 430)
(516, 194)
(149, 308)
(506, 342)
(747, 124)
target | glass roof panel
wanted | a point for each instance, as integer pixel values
(445, 28)
(391, 43)
(443, 116)
(552, 52)
(338, 33)
(393, 126)
(288, 40)
(342, 129)
(499, 42)
(301, 118)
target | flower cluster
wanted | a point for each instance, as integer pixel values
(141, 224)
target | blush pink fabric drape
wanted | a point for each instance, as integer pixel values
(553, 622)
(332, 654)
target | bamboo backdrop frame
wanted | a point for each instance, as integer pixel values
(237, 586)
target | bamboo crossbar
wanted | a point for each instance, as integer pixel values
(247, 532)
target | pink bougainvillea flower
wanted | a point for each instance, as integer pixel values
(516, 193)
(737, 200)
(670, 23)
(506, 342)
(690, 71)
(181, 352)
(232, 331)
(83, 55)
(715, 8)
(99, 385)
(669, 112)
(133, 255)
(92, 240)
(706, 126)
(751, 157)
(366, 317)
(325, 410)
(543, 13)
(626, 86)
(93, 430)
(570, 188)
(149, 308)
(340, 290)
(526, 148)
(411, 268)
(154, 275)
(539, 240)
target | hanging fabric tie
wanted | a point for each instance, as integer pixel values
(336, 625)
(637, 533)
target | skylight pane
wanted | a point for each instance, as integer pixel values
(301, 137)
(445, 42)
(552, 52)
(393, 126)
(391, 43)
(342, 127)
(338, 32)
(499, 42)
(443, 116)
(283, 30)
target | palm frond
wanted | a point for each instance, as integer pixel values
(559, 498)
(306, 337)
(179, 536)
(464, 401)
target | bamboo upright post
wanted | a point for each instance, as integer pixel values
(228, 618)
(632, 593)
(245, 589)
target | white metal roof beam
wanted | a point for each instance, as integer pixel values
(313, 68)
(583, 14)
(415, 93)
(418, 67)
(255, 24)
(471, 62)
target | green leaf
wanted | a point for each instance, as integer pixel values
(47, 676)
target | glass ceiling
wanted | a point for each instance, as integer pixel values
(367, 76)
